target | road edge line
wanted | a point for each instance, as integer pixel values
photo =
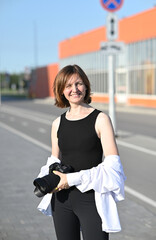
(25, 136)
(140, 196)
(138, 148)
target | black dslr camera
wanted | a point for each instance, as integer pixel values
(47, 183)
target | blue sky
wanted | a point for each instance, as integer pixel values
(30, 30)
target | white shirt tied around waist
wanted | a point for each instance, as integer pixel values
(107, 180)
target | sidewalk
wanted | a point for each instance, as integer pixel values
(19, 218)
(105, 106)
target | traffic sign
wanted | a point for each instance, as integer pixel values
(112, 27)
(111, 5)
(112, 47)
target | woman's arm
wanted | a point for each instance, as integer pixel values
(54, 138)
(63, 184)
(105, 132)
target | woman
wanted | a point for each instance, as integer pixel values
(84, 199)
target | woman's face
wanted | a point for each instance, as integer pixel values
(75, 90)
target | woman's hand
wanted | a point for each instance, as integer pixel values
(63, 184)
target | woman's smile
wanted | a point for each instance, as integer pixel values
(76, 95)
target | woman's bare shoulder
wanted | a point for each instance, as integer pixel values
(56, 122)
(103, 122)
(103, 117)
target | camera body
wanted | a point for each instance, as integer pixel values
(60, 168)
(47, 183)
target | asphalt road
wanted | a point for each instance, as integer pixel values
(31, 121)
(134, 120)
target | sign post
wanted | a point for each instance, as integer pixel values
(0, 86)
(112, 48)
(111, 78)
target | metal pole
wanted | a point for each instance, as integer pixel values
(111, 91)
(0, 91)
(35, 45)
(0, 86)
(35, 55)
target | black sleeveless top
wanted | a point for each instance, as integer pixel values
(78, 142)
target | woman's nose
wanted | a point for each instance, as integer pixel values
(74, 87)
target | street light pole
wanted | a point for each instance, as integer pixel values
(35, 54)
(35, 45)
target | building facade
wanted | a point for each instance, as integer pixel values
(135, 71)
(135, 68)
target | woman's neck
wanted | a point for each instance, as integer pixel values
(79, 111)
(76, 109)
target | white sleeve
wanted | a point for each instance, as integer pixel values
(45, 169)
(108, 176)
(45, 206)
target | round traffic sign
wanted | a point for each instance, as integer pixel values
(111, 5)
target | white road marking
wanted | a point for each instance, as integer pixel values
(12, 119)
(42, 130)
(129, 190)
(25, 136)
(140, 196)
(25, 124)
(135, 147)
(2, 115)
(27, 115)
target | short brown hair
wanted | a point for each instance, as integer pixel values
(60, 81)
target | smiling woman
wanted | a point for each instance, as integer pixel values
(71, 81)
(80, 138)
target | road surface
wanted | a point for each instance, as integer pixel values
(25, 144)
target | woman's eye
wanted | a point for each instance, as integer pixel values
(68, 86)
(80, 83)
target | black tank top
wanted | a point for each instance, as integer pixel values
(78, 142)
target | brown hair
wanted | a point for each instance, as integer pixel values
(60, 81)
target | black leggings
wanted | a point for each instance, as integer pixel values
(73, 210)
